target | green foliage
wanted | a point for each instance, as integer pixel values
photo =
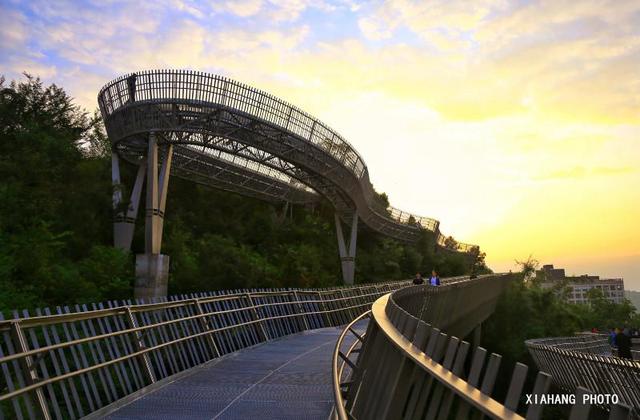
(56, 230)
(529, 267)
(603, 314)
(450, 243)
(526, 311)
(53, 201)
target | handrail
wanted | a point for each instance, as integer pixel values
(186, 102)
(69, 364)
(78, 316)
(409, 368)
(483, 403)
(575, 364)
(336, 372)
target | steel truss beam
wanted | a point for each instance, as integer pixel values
(238, 138)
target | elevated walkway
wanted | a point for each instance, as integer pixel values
(82, 359)
(287, 378)
(235, 354)
(587, 361)
(215, 131)
(409, 365)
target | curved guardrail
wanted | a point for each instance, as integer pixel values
(341, 359)
(222, 120)
(406, 367)
(72, 363)
(586, 361)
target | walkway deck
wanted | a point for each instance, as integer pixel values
(288, 378)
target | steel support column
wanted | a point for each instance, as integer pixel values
(348, 259)
(152, 267)
(125, 219)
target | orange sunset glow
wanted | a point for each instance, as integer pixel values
(516, 124)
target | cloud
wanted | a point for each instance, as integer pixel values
(243, 8)
(466, 112)
(426, 18)
(564, 59)
(16, 66)
(245, 42)
(192, 9)
(466, 68)
(374, 29)
(275, 10)
(13, 30)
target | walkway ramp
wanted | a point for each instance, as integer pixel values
(288, 378)
(219, 355)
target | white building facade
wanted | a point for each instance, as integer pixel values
(577, 287)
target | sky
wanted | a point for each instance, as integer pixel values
(515, 123)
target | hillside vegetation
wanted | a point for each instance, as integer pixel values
(56, 231)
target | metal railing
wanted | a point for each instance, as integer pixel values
(405, 367)
(72, 363)
(586, 343)
(586, 361)
(210, 111)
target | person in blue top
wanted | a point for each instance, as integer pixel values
(612, 337)
(434, 280)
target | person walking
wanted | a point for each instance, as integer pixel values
(434, 280)
(418, 279)
(612, 337)
(623, 340)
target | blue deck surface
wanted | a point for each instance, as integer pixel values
(289, 378)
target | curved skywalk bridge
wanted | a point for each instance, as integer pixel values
(83, 359)
(214, 119)
(72, 361)
(411, 364)
(216, 131)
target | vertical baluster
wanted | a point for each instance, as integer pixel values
(69, 405)
(20, 377)
(138, 342)
(29, 369)
(98, 357)
(204, 321)
(114, 353)
(44, 372)
(80, 359)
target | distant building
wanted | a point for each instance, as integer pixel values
(550, 273)
(578, 286)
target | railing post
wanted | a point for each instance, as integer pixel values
(477, 335)
(139, 346)
(29, 368)
(256, 317)
(323, 308)
(344, 303)
(301, 311)
(204, 321)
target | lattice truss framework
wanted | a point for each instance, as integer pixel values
(234, 137)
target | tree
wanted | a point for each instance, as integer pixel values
(450, 243)
(479, 265)
(56, 221)
(50, 198)
(602, 313)
(529, 267)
